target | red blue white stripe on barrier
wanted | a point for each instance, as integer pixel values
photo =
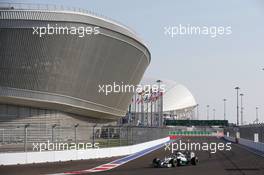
(103, 167)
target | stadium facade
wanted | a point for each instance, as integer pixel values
(54, 79)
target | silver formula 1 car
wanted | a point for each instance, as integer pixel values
(179, 159)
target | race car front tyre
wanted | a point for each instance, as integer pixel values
(194, 161)
(179, 162)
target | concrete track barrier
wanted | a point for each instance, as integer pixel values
(55, 156)
(259, 146)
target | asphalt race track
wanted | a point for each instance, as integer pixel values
(238, 161)
(50, 168)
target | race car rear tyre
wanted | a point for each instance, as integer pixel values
(156, 163)
(172, 162)
(178, 162)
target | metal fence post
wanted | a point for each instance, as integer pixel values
(3, 136)
(75, 133)
(108, 136)
(127, 135)
(119, 135)
(52, 134)
(131, 130)
(25, 137)
(93, 136)
(261, 133)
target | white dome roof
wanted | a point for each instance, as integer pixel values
(176, 96)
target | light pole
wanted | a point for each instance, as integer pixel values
(75, 132)
(207, 111)
(160, 104)
(242, 108)
(214, 113)
(224, 108)
(237, 89)
(151, 107)
(52, 132)
(94, 134)
(26, 136)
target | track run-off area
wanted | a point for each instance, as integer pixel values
(238, 161)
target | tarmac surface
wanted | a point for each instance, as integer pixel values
(50, 168)
(237, 161)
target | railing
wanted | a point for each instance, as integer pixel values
(54, 7)
(23, 137)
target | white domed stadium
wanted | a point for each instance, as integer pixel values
(175, 102)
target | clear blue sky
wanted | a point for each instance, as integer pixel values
(209, 68)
